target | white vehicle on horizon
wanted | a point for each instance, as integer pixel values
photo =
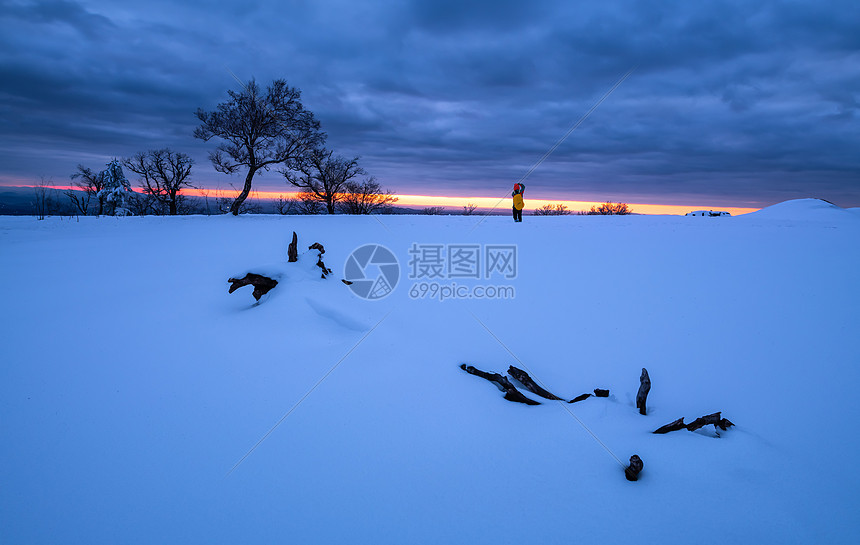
(709, 213)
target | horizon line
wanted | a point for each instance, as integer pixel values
(482, 203)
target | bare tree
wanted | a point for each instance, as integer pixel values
(224, 203)
(469, 209)
(286, 205)
(552, 210)
(91, 184)
(163, 173)
(308, 204)
(259, 130)
(324, 176)
(144, 204)
(610, 209)
(433, 210)
(79, 199)
(45, 201)
(366, 197)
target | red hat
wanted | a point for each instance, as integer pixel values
(517, 187)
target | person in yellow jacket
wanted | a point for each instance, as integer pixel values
(519, 189)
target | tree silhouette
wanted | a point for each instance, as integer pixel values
(259, 129)
(163, 173)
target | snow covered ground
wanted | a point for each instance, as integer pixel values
(132, 383)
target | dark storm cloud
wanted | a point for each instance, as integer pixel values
(731, 102)
(58, 12)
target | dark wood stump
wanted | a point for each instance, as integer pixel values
(644, 388)
(601, 393)
(502, 383)
(632, 471)
(262, 284)
(293, 249)
(530, 384)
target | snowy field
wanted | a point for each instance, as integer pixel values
(132, 383)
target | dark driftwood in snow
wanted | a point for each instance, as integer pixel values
(672, 426)
(262, 284)
(632, 471)
(319, 247)
(579, 398)
(722, 423)
(644, 388)
(530, 384)
(321, 265)
(601, 393)
(502, 382)
(293, 249)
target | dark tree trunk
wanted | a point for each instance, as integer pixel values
(530, 384)
(632, 471)
(293, 250)
(644, 388)
(237, 204)
(173, 205)
(502, 382)
(262, 284)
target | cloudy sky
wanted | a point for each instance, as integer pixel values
(733, 103)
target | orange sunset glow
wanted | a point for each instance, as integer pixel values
(455, 204)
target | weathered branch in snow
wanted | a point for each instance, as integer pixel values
(722, 423)
(644, 388)
(319, 247)
(293, 250)
(530, 384)
(321, 265)
(672, 426)
(502, 382)
(597, 393)
(632, 471)
(262, 284)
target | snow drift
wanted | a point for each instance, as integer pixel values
(132, 383)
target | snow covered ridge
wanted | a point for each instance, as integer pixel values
(131, 382)
(802, 209)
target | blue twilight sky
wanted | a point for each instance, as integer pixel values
(741, 103)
